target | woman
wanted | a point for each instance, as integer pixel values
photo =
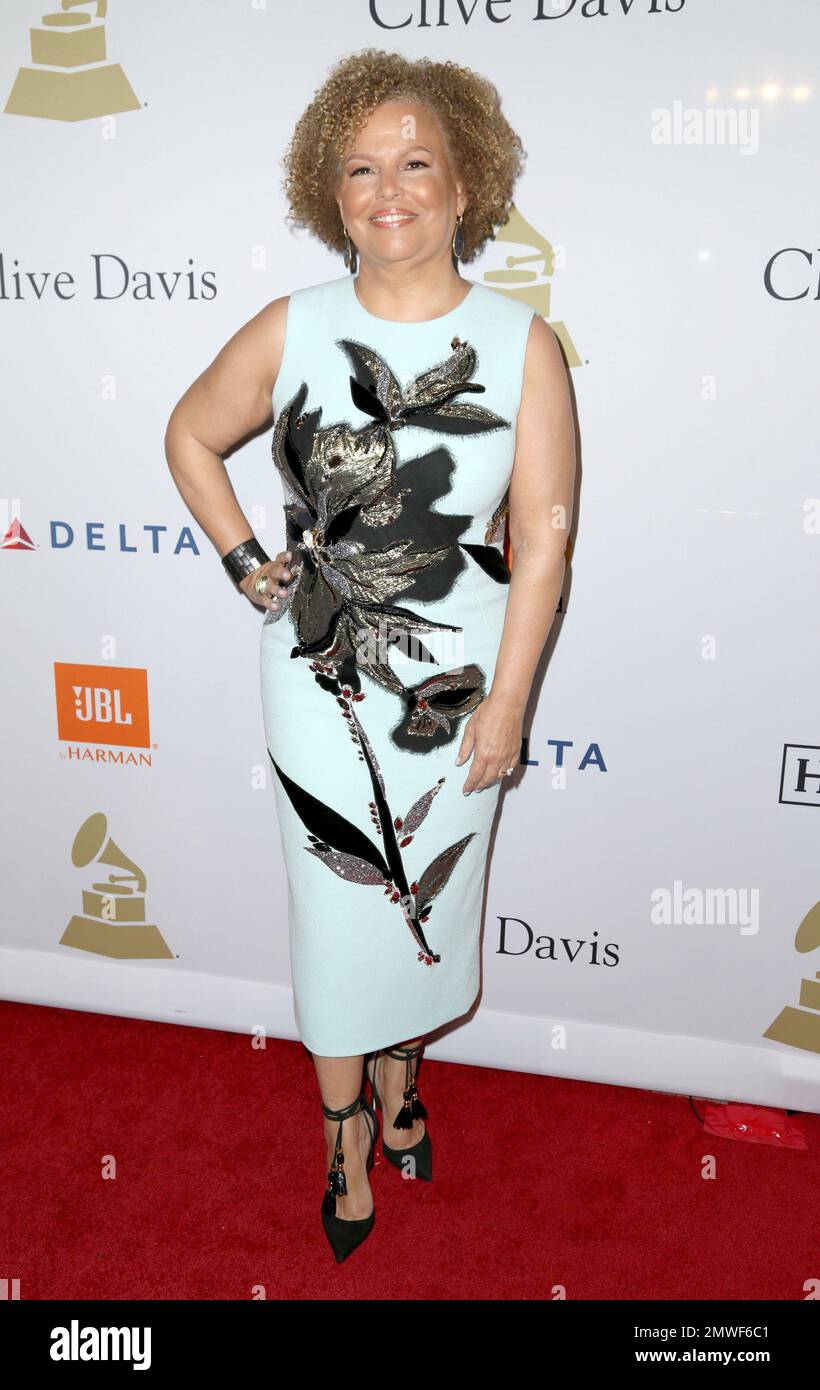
(413, 413)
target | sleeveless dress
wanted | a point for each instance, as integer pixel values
(394, 443)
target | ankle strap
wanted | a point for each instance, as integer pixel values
(336, 1181)
(401, 1052)
(345, 1113)
(406, 1054)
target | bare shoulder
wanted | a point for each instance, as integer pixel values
(232, 396)
(260, 342)
(544, 353)
(253, 354)
(274, 317)
(274, 320)
(545, 371)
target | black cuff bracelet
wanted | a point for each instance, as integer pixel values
(244, 559)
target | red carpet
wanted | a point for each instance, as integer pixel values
(541, 1185)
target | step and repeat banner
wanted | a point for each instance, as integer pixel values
(652, 913)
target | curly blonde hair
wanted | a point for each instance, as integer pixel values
(483, 149)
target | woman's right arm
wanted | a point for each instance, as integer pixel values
(229, 400)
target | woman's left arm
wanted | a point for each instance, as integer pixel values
(540, 515)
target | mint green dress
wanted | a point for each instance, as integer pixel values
(394, 443)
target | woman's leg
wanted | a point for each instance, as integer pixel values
(390, 1078)
(340, 1082)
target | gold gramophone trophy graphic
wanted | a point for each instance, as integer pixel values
(113, 921)
(72, 79)
(522, 277)
(800, 1027)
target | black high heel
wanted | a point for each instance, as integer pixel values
(412, 1109)
(345, 1236)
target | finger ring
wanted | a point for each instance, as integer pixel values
(261, 584)
(509, 771)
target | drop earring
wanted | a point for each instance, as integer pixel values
(350, 254)
(458, 240)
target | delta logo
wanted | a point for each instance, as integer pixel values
(102, 714)
(17, 537)
(62, 536)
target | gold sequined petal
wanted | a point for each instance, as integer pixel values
(377, 575)
(347, 866)
(384, 383)
(426, 722)
(466, 678)
(466, 418)
(444, 378)
(433, 717)
(419, 810)
(384, 510)
(349, 467)
(437, 874)
(495, 525)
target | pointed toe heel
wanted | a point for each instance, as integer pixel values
(346, 1236)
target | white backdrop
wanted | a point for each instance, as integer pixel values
(672, 157)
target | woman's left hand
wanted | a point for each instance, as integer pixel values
(493, 736)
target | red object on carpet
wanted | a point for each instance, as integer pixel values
(756, 1124)
(151, 1161)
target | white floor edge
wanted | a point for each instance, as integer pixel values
(767, 1074)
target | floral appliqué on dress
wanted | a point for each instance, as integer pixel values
(358, 543)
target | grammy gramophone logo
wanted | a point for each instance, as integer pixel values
(71, 78)
(800, 1026)
(525, 274)
(113, 917)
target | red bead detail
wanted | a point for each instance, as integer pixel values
(414, 888)
(359, 696)
(405, 841)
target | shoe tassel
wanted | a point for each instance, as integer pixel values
(336, 1180)
(412, 1108)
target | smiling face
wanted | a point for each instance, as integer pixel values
(398, 194)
